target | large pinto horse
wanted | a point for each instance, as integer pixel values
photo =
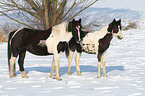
(41, 42)
(95, 43)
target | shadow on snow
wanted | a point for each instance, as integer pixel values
(63, 70)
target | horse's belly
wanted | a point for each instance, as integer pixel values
(89, 48)
(38, 50)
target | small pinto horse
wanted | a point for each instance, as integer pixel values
(41, 42)
(95, 43)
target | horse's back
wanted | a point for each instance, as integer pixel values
(28, 39)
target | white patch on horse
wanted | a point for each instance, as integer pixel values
(78, 27)
(42, 43)
(14, 35)
(118, 34)
(92, 39)
(59, 33)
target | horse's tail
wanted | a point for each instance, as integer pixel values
(9, 49)
(67, 49)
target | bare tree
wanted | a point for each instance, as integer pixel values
(43, 14)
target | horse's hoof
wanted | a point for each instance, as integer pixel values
(79, 74)
(68, 74)
(57, 78)
(25, 76)
(106, 76)
(99, 77)
(12, 76)
(52, 77)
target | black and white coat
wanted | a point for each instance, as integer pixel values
(97, 43)
(41, 42)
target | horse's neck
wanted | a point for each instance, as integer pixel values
(60, 32)
(102, 32)
(61, 28)
(96, 35)
(107, 38)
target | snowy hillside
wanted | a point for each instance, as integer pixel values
(125, 61)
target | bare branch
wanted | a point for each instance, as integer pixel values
(43, 13)
(16, 20)
(63, 4)
(82, 10)
(34, 6)
(69, 10)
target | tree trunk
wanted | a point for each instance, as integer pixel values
(46, 16)
(54, 12)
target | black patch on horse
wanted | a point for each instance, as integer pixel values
(63, 46)
(30, 39)
(104, 44)
(73, 45)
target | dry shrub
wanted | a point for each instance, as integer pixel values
(131, 25)
(6, 29)
(3, 37)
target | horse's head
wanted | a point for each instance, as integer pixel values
(75, 27)
(115, 29)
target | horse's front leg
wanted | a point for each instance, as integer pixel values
(52, 69)
(104, 62)
(56, 62)
(99, 70)
(77, 59)
(99, 65)
(70, 57)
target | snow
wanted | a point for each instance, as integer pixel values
(124, 62)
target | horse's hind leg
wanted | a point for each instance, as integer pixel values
(21, 64)
(104, 62)
(12, 66)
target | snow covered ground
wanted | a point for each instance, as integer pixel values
(125, 62)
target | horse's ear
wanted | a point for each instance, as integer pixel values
(73, 20)
(80, 20)
(69, 26)
(114, 20)
(119, 21)
(110, 28)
